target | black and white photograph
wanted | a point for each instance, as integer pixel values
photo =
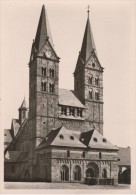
(68, 122)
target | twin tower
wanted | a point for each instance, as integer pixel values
(80, 109)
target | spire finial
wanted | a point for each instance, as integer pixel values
(88, 10)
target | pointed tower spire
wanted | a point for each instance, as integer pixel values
(23, 112)
(88, 44)
(23, 105)
(43, 31)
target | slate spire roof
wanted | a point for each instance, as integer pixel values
(43, 31)
(88, 44)
(23, 105)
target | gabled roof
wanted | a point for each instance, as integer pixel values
(63, 138)
(94, 139)
(124, 156)
(43, 31)
(68, 97)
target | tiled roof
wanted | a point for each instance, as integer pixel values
(94, 139)
(62, 137)
(68, 97)
(124, 156)
(15, 156)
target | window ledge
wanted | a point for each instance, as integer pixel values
(71, 117)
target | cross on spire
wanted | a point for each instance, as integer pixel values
(88, 10)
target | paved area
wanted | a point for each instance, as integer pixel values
(44, 185)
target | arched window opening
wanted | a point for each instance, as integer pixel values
(64, 173)
(43, 71)
(90, 173)
(96, 95)
(90, 80)
(77, 173)
(52, 73)
(43, 86)
(91, 94)
(51, 88)
(104, 173)
(97, 81)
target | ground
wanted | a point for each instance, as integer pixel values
(44, 185)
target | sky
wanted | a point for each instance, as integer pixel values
(113, 26)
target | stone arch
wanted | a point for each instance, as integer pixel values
(64, 173)
(92, 170)
(77, 173)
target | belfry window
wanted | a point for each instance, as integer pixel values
(43, 86)
(43, 71)
(96, 95)
(51, 88)
(91, 94)
(97, 81)
(51, 72)
(90, 80)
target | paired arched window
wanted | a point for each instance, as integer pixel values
(93, 80)
(43, 86)
(43, 71)
(77, 173)
(91, 94)
(51, 72)
(51, 87)
(64, 173)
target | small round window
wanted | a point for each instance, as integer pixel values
(93, 64)
(71, 137)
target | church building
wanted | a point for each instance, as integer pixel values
(59, 138)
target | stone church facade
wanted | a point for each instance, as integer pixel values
(60, 137)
